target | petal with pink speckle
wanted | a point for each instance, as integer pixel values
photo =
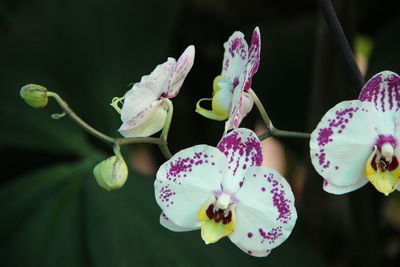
(180, 71)
(383, 90)
(254, 56)
(186, 181)
(265, 208)
(147, 91)
(343, 140)
(235, 57)
(242, 103)
(145, 123)
(243, 150)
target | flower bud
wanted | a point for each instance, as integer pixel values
(34, 95)
(111, 173)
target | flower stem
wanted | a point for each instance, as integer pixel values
(116, 142)
(271, 130)
(78, 120)
(164, 134)
(341, 40)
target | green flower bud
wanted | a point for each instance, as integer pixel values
(111, 173)
(34, 95)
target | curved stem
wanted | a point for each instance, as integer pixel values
(116, 142)
(271, 130)
(164, 134)
(341, 40)
(261, 109)
(137, 140)
(78, 120)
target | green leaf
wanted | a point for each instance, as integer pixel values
(60, 216)
(86, 51)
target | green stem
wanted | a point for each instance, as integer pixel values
(164, 134)
(78, 120)
(116, 142)
(271, 130)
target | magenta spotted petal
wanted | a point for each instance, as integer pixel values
(180, 71)
(235, 57)
(254, 56)
(349, 132)
(265, 202)
(383, 90)
(143, 112)
(187, 181)
(243, 150)
(226, 192)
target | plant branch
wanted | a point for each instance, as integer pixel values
(271, 130)
(341, 40)
(164, 134)
(116, 142)
(78, 120)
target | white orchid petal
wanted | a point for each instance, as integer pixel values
(235, 56)
(147, 122)
(265, 211)
(240, 109)
(170, 225)
(243, 150)
(383, 90)
(339, 190)
(147, 91)
(261, 253)
(254, 56)
(180, 71)
(186, 181)
(344, 138)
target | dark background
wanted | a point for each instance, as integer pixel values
(52, 212)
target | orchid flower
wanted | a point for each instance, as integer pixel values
(230, 99)
(143, 111)
(226, 192)
(358, 141)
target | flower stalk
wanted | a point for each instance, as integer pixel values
(271, 130)
(116, 142)
(342, 42)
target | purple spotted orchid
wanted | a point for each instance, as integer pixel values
(226, 192)
(143, 111)
(358, 141)
(230, 99)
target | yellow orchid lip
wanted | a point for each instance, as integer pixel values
(220, 102)
(217, 223)
(382, 173)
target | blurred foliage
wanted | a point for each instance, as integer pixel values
(53, 212)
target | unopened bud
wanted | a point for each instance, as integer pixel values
(34, 95)
(111, 173)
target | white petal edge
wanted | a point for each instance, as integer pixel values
(186, 181)
(344, 138)
(340, 190)
(259, 254)
(239, 110)
(235, 56)
(170, 225)
(147, 91)
(146, 123)
(181, 70)
(265, 211)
